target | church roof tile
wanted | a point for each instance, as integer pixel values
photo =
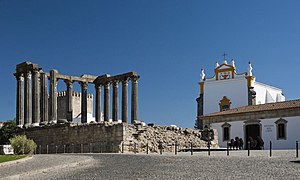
(261, 107)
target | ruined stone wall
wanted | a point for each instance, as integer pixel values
(98, 137)
(167, 135)
(112, 137)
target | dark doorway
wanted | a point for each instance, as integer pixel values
(252, 131)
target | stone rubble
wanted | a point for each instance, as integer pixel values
(167, 135)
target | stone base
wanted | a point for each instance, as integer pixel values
(53, 122)
(112, 137)
(26, 125)
(34, 125)
(20, 126)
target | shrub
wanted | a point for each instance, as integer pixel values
(22, 145)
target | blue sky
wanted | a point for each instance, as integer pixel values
(167, 42)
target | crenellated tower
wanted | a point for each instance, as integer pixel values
(62, 105)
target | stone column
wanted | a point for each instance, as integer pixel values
(125, 100)
(98, 102)
(19, 98)
(53, 95)
(106, 101)
(84, 86)
(199, 123)
(69, 99)
(115, 100)
(26, 98)
(35, 98)
(134, 99)
(44, 98)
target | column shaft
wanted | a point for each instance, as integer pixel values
(53, 95)
(125, 101)
(134, 99)
(106, 101)
(19, 101)
(44, 97)
(35, 98)
(69, 102)
(84, 86)
(26, 99)
(98, 102)
(115, 101)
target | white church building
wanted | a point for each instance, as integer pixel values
(239, 106)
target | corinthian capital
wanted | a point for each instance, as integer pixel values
(134, 78)
(107, 84)
(98, 86)
(125, 80)
(116, 83)
(19, 76)
(84, 85)
(68, 82)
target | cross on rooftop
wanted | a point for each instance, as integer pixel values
(224, 55)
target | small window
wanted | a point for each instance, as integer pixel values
(226, 134)
(281, 129)
(225, 108)
(224, 104)
(226, 131)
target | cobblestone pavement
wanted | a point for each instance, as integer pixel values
(282, 165)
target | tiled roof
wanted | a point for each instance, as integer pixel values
(261, 107)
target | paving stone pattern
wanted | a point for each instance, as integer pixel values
(153, 166)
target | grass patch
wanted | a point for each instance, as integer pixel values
(5, 158)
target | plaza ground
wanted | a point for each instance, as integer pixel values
(238, 165)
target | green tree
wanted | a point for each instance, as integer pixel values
(6, 132)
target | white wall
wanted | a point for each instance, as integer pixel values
(235, 90)
(261, 91)
(269, 132)
(236, 130)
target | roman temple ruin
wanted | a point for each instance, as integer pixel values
(35, 107)
(50, 118)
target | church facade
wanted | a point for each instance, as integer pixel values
(239, 106)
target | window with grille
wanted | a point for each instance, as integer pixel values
(281, 129)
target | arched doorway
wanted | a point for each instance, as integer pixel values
(253, 130)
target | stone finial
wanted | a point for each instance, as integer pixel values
(217, 64)
(202, 75)
(250, 69)
(232, 63)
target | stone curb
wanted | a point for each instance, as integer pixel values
(16, 161)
